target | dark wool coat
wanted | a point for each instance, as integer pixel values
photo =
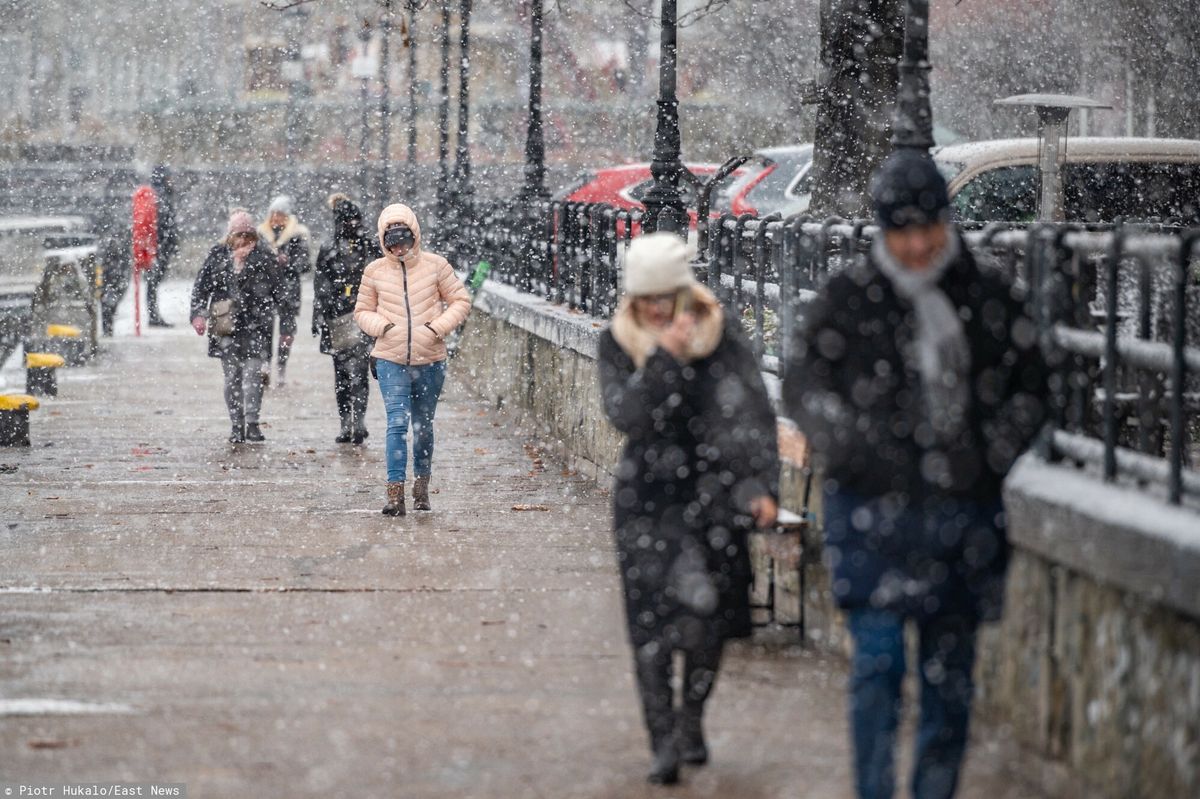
(340, 265)
(853, 393)
(700, 444)
(257, 292)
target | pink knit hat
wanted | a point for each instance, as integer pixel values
(240, 221)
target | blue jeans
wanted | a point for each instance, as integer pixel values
(947, 653)
(410, 391)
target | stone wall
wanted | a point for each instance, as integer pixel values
(1096, 663)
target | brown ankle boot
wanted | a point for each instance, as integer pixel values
(421, 494)
(395, 500)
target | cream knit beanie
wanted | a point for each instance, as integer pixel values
(657, 263)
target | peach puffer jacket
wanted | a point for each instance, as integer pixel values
(419, 290)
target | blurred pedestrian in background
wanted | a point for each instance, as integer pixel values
(115, 251)
(699, 471)
(409, 301)
(234, 300)
(919, 381)
(167, 235)
(339, 270)
(288, 239)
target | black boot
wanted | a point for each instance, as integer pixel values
(692, 749)
(346, 433)
(360, 429)
(158, 321)
(253, 433)
(664, 768)
(239, 433)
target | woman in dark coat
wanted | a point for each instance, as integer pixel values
(340, 265)
(699, 470)
(241, 269)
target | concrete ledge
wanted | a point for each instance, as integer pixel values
(553, 323)
(1119, 536)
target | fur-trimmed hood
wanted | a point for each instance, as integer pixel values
(639, 341)
(292, 230)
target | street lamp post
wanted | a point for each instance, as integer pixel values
(364, 145)
(664, 203)
(443, 181)
(534, 193)
(412, 99)
(385, 127)
(912, 125)
(461, 185)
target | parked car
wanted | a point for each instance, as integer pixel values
(626, 187)
(1143, 180)
(780, 179)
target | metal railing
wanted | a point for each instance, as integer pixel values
(1125, 396)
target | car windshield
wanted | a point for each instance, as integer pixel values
(772, 193)
(732, 186)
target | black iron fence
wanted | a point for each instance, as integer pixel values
(1118, 309)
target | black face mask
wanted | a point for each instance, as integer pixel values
(397, 235)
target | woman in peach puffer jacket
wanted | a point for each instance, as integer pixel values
(409, 301)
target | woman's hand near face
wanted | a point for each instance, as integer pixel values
(199, 324)
(675, 336)
(765, 511)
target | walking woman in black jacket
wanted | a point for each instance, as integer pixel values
(340, 265)
(699, 471)
(234, 300)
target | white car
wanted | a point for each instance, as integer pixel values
(1142, 180)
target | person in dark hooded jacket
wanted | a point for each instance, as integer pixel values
(238, 286)
(919, 380)
(167, 230)
(340, 265)
(699, 470)
(115, 251)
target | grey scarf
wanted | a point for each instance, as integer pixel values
(943, 356)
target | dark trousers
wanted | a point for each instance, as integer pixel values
(654, 665)
(154, 276)
(351, 387)
(947, 655)
(116, 283)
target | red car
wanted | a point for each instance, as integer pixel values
(626, 187)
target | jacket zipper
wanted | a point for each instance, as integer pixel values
(407, 312)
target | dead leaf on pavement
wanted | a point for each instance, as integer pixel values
(50, 743)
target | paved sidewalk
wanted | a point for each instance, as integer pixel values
(243, 620)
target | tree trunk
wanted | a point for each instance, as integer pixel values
(861, 43)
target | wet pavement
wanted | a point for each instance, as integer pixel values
(240, 618)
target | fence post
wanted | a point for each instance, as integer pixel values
(1179, 366)
(1110, 355)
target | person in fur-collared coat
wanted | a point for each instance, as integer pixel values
(284, 234)
(698, 472)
